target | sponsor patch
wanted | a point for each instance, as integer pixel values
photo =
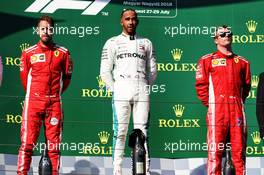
(37, 58)
(219, 62)
(54, 121)
(199, 73)
(239, 121)
(142, 47)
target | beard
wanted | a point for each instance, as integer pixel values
(46, 41)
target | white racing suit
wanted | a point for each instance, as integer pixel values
(128, 67)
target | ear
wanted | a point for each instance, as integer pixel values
(137, 22)
(215, 41)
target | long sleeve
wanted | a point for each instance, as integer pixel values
(202, 81)
(67, 71)
(107, 63)
(260, 104)
(24, 69)
(151, 64)
(247, 83)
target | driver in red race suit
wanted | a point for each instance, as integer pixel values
(45, 72)
(223, 82)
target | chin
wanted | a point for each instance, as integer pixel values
(131, 32)
(228, 42)
(46, 41)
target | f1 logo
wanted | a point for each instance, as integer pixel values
(50, 6)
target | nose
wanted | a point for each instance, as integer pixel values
(45, 30)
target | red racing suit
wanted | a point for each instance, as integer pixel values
(45, 73)
(222, 84)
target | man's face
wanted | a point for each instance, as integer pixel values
(129, 22)
(45, 31)
(223, 37)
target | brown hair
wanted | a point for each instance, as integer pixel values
(46, 18)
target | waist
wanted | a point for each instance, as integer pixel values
(39, 95)
(230, 96)
(131, 77)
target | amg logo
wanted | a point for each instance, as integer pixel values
(135, 55)
(50, 6)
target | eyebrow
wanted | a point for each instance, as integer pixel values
(130, 17)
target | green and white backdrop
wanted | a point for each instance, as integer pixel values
(181, 33)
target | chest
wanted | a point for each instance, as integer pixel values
(131, 50)
(226, 66)
(41, 61)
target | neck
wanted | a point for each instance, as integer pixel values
(227, 50)
(47, 44)
(130, 34)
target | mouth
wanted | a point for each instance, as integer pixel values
(45, 36)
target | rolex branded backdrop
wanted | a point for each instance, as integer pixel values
(181, 33)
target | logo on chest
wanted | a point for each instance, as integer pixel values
(56, 53)
(141, 47)
(219, 62)
(37, 58)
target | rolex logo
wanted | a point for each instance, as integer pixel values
(103, 136)
(24, 46)
(101, 83)
(254, 81)
(256, 137)
(251, 26)
(22, 104)
(176, 54)
(178, 110)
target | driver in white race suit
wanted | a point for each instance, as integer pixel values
(128, 67)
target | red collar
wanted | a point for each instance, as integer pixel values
(224, 55)
(49, 47)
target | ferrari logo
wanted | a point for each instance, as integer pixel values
(56, 53)
(236, 60)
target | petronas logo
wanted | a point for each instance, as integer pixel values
(251, 26)
(177, 54)
(178, 110)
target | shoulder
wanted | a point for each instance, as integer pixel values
(111, 42)
(61, 48)
(113, 39)
(242, 59)
(30, 49)
(206, 57)
(144, 39)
